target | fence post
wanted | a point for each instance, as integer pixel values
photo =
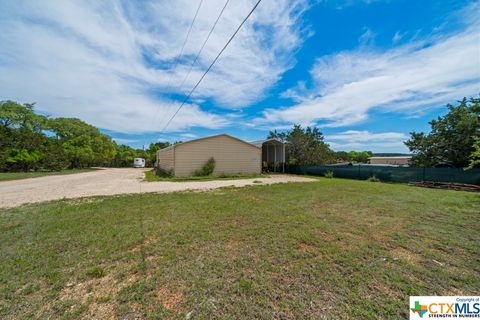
(358, 172)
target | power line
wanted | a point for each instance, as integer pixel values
(211, 65)
(181, 52)
(203, 45)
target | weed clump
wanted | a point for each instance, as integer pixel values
(206, 169)
(329, 174)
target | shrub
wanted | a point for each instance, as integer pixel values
(373, 178)
(329, 174)
(206, 169)
(162, 173)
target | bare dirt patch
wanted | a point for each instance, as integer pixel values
(169, 299)
(97, 295)
(307, 247)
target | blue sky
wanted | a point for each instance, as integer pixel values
(365, 72)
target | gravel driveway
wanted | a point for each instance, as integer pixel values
(109, 182)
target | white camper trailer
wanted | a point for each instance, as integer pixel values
(139, 163)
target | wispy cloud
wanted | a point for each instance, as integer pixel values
(110, 62)
(397, 36)
(367, 38)
(125, 141)
(408, 79)
(365, 140)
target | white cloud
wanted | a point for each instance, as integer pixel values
(188, 135)
(408, 79)
(109, 62)
(125, 141)
(365, 140)
(365, 136)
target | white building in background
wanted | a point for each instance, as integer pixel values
(397, 160)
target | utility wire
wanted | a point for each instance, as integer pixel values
(211, 65)
(203, 45)
(180, 54)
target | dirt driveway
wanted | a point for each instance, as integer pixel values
(109, 182)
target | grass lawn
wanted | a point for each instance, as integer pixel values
(334, 248)
(150, 176)
(4, 176)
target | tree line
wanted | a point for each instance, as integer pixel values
(30, 141)
(306, 146)
(454, 140)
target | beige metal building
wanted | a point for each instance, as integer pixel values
(231, 156)
(399, 160)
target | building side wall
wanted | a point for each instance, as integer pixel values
(166, 160)
(231, 156)
(397, 161)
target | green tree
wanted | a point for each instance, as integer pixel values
(282, 136)
(22, 159)
(359, 156)
(305, 146)
(22, 137)
(475, 156)
(124, 156)
(84, 145)
(342, 156)
(451, 138)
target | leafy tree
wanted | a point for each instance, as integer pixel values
(55, 158)
(22, 159)
(29, 141)
(124, 156)
(342, 156)
(475, 156)
(304, 146)
(451, 138)
(84, 145)
(282, 136)
(359, 156)
(22, 138)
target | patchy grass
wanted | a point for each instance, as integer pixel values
(150, 176)
(4, 176)
(333, 248)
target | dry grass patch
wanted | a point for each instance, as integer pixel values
(406, 255)
(170, 300)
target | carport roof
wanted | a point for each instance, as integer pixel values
(259, 143)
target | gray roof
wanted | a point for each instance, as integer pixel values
(259, 143)
(204, 138)
(392, 157)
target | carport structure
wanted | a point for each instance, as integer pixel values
(273, 154)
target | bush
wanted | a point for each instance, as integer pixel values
(329, 174)
(373, 179)
(163, 173)
(206, 169)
